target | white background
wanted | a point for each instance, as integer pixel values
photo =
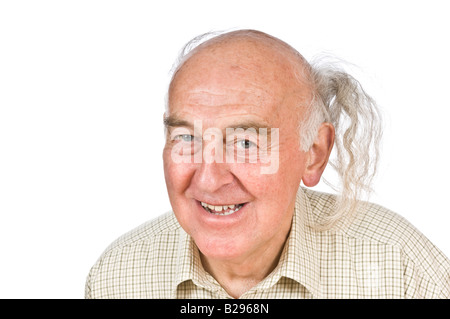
(82, 86)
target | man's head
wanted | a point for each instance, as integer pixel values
(243, 79)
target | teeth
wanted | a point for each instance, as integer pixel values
(216, 209)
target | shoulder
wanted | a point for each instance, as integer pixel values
(379, 229)
(370, 222)
(150, 231)
(136, 264)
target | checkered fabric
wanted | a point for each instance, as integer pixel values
(376, 254)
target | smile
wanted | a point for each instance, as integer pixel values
(221, 210)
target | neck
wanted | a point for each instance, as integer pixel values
(240, 275)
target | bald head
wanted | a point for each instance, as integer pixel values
(265, 61)
(256, 39)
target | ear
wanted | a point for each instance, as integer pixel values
(319, 154)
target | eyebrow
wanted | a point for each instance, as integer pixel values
(174, 121)
(252, 125)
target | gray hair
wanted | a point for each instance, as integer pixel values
(339, 99)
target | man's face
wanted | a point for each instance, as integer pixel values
(222, 89)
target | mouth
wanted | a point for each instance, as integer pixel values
(222, 210)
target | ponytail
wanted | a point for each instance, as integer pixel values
(338, 98)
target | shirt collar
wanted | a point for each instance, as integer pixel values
(189, 266)
(299, 260)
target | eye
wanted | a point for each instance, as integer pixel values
(184, 138)
(246, 144)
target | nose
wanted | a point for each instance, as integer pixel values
(211, 177)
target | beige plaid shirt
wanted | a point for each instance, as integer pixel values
(378, 254)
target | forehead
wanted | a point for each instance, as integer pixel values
(225, 102)
(236, 78)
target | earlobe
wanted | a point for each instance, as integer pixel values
(319, 154)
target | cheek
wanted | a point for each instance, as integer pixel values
(272, 194)
(177, 175)
(278, 185)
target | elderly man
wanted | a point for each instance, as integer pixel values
(248, 119)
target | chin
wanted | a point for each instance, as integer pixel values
(220, 250)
